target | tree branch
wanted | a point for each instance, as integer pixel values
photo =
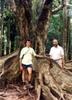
(60, 7)
(57, 9)
(69, 5)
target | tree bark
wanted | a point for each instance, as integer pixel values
(42, 27)
(22, 10)
(2, 29)
(51, 82)
(65, 33)
(55, 83)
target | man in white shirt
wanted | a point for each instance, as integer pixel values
(57, 53)
(26, 56)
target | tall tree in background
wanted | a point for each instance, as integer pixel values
(65, 33)
(2, 28)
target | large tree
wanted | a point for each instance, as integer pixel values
(24, 19)
(51, 82)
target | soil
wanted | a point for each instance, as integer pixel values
(15, 92)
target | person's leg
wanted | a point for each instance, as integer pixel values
(60, 62)
(23, 73)
(29, 69)
(24, 80)
(23, 76)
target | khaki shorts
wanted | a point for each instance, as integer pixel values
(59, 61)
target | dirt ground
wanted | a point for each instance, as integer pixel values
(14, 92)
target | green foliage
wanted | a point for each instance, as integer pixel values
(9, 17)
(71, 1)
(9, 31)
(56, 25)
(55, 29)
(7, 13)
(56, 3)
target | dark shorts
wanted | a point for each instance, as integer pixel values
(26, 66)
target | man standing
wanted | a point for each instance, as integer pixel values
(26, 56)
(57, 53)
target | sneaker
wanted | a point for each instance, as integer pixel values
(25, 87)
(29, 86)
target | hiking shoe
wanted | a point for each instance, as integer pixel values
(29, 86)
(25, 87)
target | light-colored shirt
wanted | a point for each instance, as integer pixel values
(56, 52)
(26, 55)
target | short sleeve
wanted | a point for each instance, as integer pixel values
(62, 52)
(50, 53)
(33, 52)
(21, 53)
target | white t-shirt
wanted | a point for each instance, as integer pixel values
(56, 52)
(28, 55)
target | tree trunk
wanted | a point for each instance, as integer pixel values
(65, 33)
(23, 18)
(2, 29)
(42, 27)
(8, 37)
(51, 82)
(70, 38)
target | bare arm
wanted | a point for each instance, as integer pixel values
(63, 62)
(40, 56)
(21, 68)
(20, 62)
(62, 56)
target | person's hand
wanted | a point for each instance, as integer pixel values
(40, 56)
